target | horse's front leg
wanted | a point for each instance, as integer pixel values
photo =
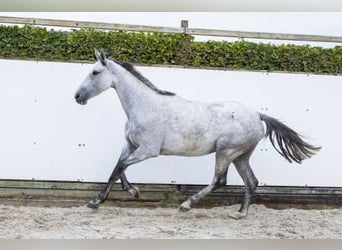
(133, 190)
(125, 160)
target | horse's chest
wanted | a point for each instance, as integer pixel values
(143, 134)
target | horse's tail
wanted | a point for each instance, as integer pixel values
(291, 145)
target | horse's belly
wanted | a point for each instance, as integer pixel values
(188, 147)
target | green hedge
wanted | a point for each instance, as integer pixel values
(30, 42)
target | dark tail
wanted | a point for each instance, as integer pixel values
(291, 145)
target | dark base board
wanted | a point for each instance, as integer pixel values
(69, 193)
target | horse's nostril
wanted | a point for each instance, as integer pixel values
(77, 96)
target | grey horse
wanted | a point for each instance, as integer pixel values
(162, 123)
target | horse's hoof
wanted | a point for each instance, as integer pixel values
(237, 215)
(94, 204)
(184, 207)
(134, 191)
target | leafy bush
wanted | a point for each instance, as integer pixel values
(38, 43)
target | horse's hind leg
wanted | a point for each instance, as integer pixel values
(250, 181)
(223, 159)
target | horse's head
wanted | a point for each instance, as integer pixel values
(97, 81)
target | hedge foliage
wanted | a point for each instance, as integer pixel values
(30, 42)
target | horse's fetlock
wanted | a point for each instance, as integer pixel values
(102, 196)
(223, 182)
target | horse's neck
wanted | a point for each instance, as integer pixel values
(134, 96)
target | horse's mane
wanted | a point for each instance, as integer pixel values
(130, 68)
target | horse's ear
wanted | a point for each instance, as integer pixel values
(97, 55)
(103, 58)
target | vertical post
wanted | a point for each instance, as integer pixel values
(185, 25)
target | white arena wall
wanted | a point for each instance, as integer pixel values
(46, 135)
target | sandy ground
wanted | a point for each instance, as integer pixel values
(167, 223)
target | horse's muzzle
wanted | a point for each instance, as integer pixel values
(80, 100)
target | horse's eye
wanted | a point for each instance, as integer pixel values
(95, 72)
